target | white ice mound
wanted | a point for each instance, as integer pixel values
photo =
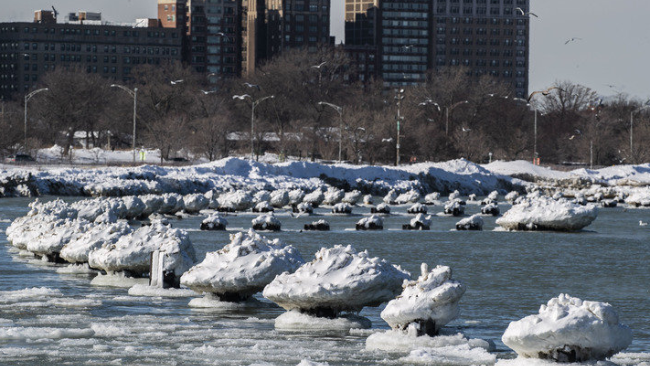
(372, 222)
(432, 197)
(421, 219)
(333, 196)
(315, 198)
(243, 267)
(411, 196)
(297, 321)
(545, 213)
(279, 198)
(352, 197)
(95, 237)
(55, 234)
(214, 222)
(474, 222)
(639, 199)
(193, 203)
(236, 201)
(426, 304)
(338, 279)
(132, 253)
(568, 329)
(266, 222)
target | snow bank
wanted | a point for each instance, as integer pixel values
(545, 213)
(132, 253)
(320, 225)
(243, 267)
(568, 329)
(338, 279)
(426, 304)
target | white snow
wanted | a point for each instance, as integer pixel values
(342, 208)
(243, 267)
(213, 221)
(238, 200)
(333, 196)
(371, 222)
(297, 321)
(338, 278)
(545, 213)
(132, 252)
(411, 196)
(95, 237)
(433, 297)
(569, 329)
(352, 197)
(266, 222)
(279, 198)
(315, 198)
(432, 197)
(474, 222)
(421, 218)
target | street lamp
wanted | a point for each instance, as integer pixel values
(340, 112)
(255, 103)
(529, 100)
(134, 94)
(632, 128)
(27, 98)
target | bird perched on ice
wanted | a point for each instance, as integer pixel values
(641, 223)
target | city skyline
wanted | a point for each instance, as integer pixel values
(612, 39)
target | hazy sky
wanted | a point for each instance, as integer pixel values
(612, 55)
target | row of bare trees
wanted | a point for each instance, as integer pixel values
(301, 99)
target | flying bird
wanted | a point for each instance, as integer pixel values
(387, 140)
(526, 13)
(572, 137)
(252, 86)
(319, 65)
(466, 129)
(174, 82)
(407, 46)
(543, 92)
(241, 97)
(572, 40)
(206, 92)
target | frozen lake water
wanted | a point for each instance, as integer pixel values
(52, 318)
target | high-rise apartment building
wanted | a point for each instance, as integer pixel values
(29, 50)
(489, 37)
(297, 24)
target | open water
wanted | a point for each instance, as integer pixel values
(61, 319)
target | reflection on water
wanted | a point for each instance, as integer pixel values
(52, 318)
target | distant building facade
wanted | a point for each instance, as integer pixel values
(29, 50)
(489, 37)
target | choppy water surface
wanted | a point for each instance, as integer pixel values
(52, 318)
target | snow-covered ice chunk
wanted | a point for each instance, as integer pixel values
(639, 199)
(333, 196)
(545, 213)
(391, 197)
(426, 304)
(131, 254)
(373, 222)
(491, 208)
(263, 207)
(411, 196)
(193, 203)
(296, 196)
(432, 198)
(295, 320)
(419, 222)
(512, 196)
(266, 222)
(382, 209)
(417, 208)
(342, 208)
(352, 197)
(243, 267)
(279, 198)
(454, 195)
(315, 198)
(454, 208)
(474, 222)
(320, 225)
(303, 208)
(96, 236)
(214, 222)
(235, 201)
(368, 200)
(338, 279)
(568, 329)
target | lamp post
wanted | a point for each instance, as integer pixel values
(134, 94)
(448, 110)
(398, 98)
(632, 128)
(255, 103)
(340, 112)
(27, 98)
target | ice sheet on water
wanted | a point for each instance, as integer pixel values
(35, 333)
(146, 290)
(296, 321)
(450, 356)
(117, 280)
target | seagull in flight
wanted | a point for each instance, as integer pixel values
(206, 92)
(252, 86)
(526, 13)
(241, 97)
(572, 137)
(407, 46)
(466, 129)
(573, 39)
(174, 82)
(543, 92)
(319, 65)
(387, 140)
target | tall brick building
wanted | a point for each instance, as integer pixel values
(489, 37)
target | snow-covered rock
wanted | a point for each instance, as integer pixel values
(320, 225)
(419, 222)
(352, 197)
(474, 222)
(261, 196)
(193, 203)
(54, 235)
(472, 197)
(381, 209)
(263, 207)
(342, 208)
(372, 222)
(493, 196)
(296, 196)
(512, 196)
(338, 279)
(454, 208)
(368, 200)
(545, 213)
(391, 197)
(491, 209)
(639, 199)
(333, 196)
(235, 201)
(131, 254)
(417, 208)
(426, 304)
(315, 198)
(279, 198)
(214, 222)
(303, 208)
(454, 195)
(568, 329)
(95, 237)
(411, 196)
(266, 222)
(432, 198)
(243, 267)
